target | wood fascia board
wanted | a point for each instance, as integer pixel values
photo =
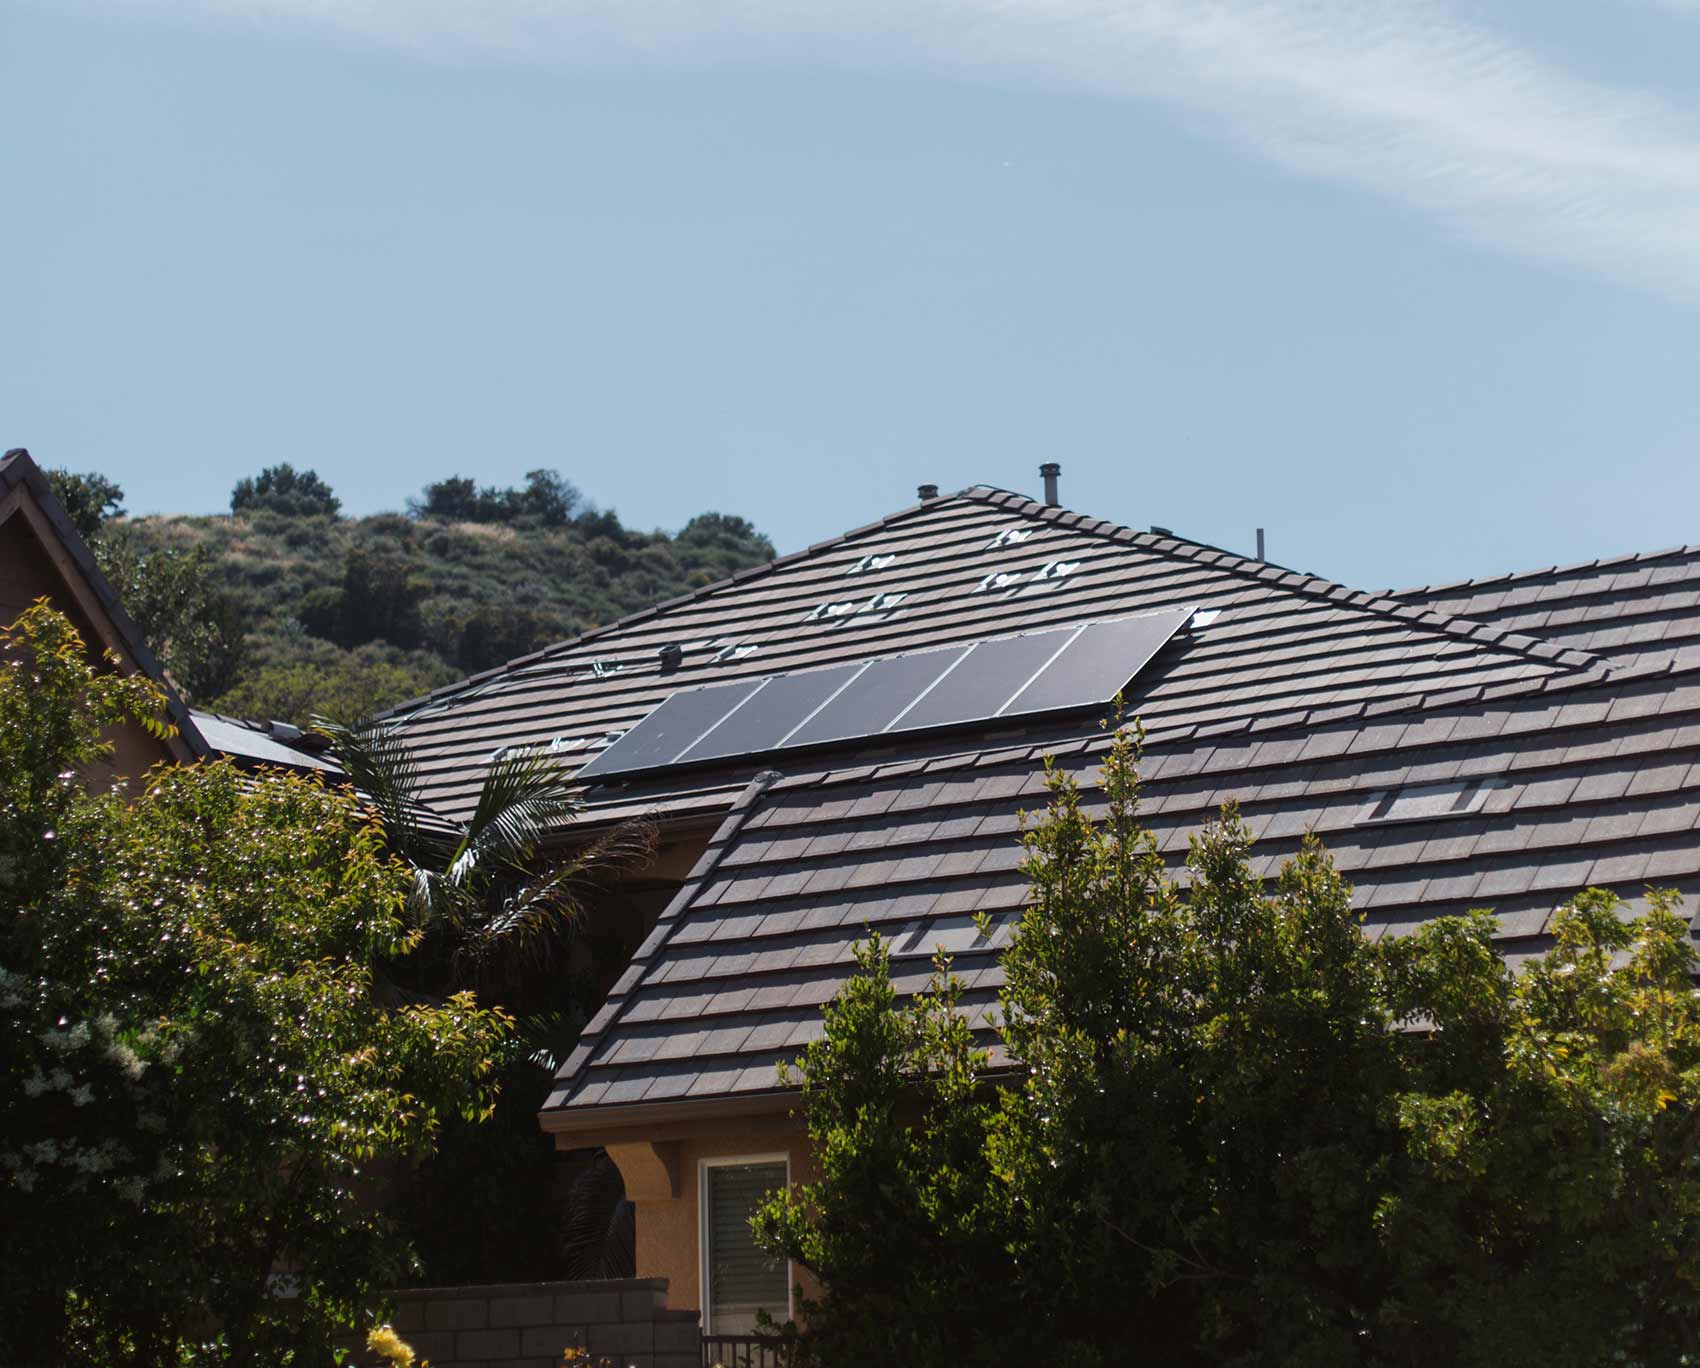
(584, 829)
(76, 584)
(657, 1122)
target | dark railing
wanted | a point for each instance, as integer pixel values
(744, 1351)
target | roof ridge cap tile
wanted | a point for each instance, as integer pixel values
(1304, 582)
(1538, 572)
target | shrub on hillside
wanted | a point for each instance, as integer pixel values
(283, 489)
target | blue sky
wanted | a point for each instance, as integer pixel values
(1415, 287)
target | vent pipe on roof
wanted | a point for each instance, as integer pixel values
(1260, 554)
(1048, 473)
(927, 493)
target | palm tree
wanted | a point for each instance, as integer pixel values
(498, 900)
(484, 898)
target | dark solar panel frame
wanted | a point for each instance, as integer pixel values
(1059, 669)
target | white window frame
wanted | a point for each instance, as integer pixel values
(703, 1228)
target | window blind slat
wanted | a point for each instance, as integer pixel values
(742, 1278)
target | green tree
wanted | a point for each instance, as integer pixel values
(197, 1076)
(1242, 1133)
(283, 489)
(196, 629)
(548, 499)
(378, 600)
(88, 500)
(722, 531)
(327, 682)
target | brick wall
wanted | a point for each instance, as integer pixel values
(526, 1325)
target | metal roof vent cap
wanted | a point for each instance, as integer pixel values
(1049, 473)
(927, 493)
(672, 655)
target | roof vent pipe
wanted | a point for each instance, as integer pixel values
(1260, 554)
(1048, 473)
(927, 492)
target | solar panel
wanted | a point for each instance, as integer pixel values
(1095, 666)
(672, 728)
(882, 691)
(1060, 669)
(772, 713)
(984, 680)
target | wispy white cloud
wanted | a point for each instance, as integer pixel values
(1397, 96)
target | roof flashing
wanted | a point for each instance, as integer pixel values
(1427, 802)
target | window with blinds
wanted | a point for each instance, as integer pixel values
(739, 1278)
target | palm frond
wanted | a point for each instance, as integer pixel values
(599, 1238)
(529, 926)
(384, 772)
(549, 1037)
(536, 918)
(622, 850)
(523, 797)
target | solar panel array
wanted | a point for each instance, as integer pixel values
(1061, 669)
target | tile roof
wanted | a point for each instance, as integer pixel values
(1284, 649)
(1596, 784)
(1447, 761)
(1622, 608)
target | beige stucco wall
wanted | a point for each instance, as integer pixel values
(667, 1244)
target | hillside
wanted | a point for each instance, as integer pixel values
(309, 612)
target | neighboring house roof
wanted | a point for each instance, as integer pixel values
(26, 494)
(1285, 646)
(1622, 608)
(1446, 763)
(280, 745)
(263, 743)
